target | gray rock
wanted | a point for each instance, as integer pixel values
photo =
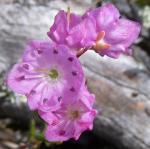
(122, 90)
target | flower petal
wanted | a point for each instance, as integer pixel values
(59, 30)
(83, 34)
(104, 16)
(123, 32)
(60, 132)
(114, 51)
(21, 81)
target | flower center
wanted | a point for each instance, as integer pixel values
(53, 74)
(100, 43)
(73, 114)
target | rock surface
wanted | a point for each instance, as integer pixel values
(122, 89)
(122, 86)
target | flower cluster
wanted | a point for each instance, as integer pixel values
(50, 75)
(101, 29)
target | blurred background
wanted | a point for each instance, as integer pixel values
(122, 86)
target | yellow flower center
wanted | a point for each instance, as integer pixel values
(73, 114)
(53, 74)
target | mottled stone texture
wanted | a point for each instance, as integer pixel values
(122, 86)
(122, 89)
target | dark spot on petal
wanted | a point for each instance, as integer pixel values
(72, 89)
(55, 52)
(20, 69)
(86, 82)
(55, 122)
(59, 98)
(70, 59)
(74, 73)
(45, 100)
(39, 51)
(62, 132)
(20, 78)
(32, 92)
(26, 66)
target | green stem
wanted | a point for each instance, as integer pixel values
(32, 131)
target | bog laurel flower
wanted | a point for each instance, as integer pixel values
(74, 116)
(72, 30)
(115, 35)
(100, 29)
(64, 22)
(45, 72)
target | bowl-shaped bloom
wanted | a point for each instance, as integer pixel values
(100, 29)
(46, 72)
(73, 117)
(64, 22)
(70, 29)
(115, 35)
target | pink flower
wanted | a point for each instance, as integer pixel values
(115, 35)
(45, 73)
(82, 35)
(64, 22)
(74, 116)
(71, 30)
(100, 29)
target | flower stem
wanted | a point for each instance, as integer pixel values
(81, 51)
(32, 130)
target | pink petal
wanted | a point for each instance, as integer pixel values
(83, 34)
(49, 117)
(19, 80)
(104, 16)
(59, 30)
(58, 132)
(114, 51)
(123, 32)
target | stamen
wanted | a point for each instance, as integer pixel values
(53, 73)
(32, 77)
(68, 15)
(42, 70)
